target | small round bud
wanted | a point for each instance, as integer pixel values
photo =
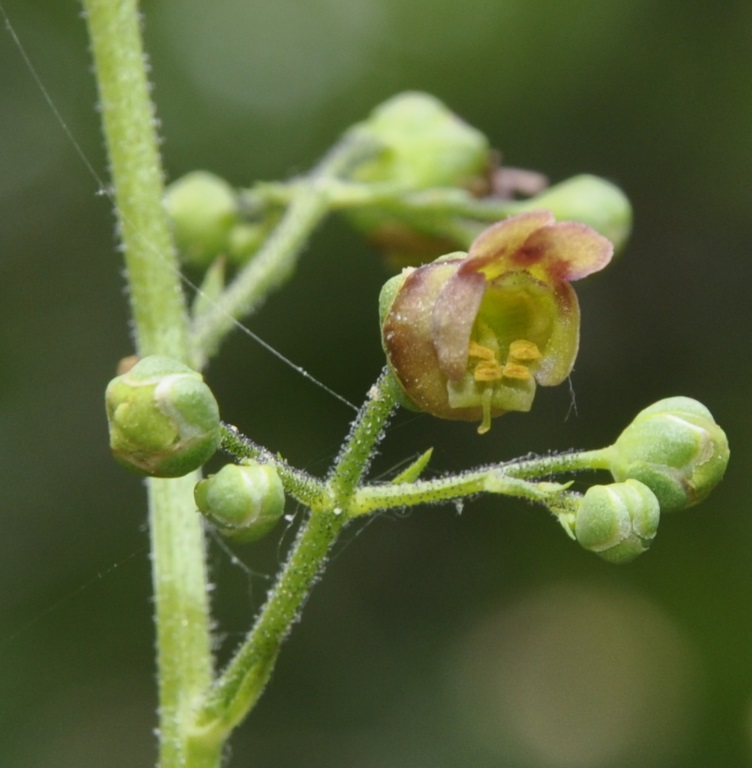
(243, 501)
(425, 144)
(163, 418)
(203, 209)
(619, 521)
(675, 448)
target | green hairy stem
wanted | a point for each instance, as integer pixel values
(160, 318)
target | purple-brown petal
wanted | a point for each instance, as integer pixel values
(492, 251)
(407, 337)
(567, 251)
(452, 321)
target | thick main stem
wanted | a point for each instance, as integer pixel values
(161, 327)
(157, 301)
(182, 615)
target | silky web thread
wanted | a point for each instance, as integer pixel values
(104, 191)
(70, 596)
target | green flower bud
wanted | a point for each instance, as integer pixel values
(203, 208)
(619, 521)
(163, 418)
(425, 145)
(244, 502)
(676, 449)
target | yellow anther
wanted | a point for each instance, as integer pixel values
(524, 350)
(516, 371)
(488, 367)
(480, 352)
(488, 371)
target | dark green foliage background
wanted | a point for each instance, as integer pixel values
(655, 96)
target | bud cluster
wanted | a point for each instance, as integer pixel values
(670, 457)
(468, 336)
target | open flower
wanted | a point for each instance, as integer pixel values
(469, 335)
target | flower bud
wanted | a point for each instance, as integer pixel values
(203, 209)
(243, 501)
(163, 418)
(421, 145)
(675, 448)
(619, 521)
(425, 145)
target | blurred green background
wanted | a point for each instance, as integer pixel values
(436, 639)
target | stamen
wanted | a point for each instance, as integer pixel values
(480, 352)
(521, 349)
(488, 371)
(516, 371)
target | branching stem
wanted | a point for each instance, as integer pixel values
(198, 712)
(241, 684)
(272, 266)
